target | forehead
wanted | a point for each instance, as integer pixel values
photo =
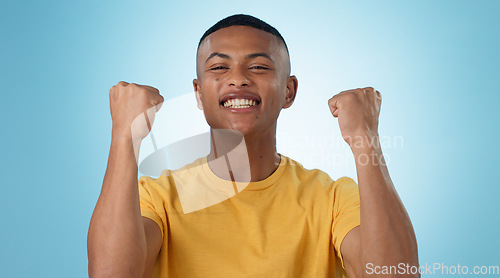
(240, 39)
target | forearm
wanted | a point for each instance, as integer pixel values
(387, 236)
(116, 238)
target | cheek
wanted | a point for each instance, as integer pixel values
(210, 89)
(277, 91)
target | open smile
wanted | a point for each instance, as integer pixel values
(241, 102)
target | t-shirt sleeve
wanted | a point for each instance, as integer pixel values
(346, 211)
(150, 206)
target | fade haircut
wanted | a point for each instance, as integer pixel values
(243, 20)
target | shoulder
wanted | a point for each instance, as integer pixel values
(297, 169)
(166, 180)
(308, 177)
(345, 182)
(307, 180)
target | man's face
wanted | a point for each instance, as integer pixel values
(243, 79)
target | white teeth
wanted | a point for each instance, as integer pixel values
(239, 103)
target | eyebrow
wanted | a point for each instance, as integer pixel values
(218, 54)
(249, 56)
(260, 54)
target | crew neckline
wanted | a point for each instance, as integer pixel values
(252, 186)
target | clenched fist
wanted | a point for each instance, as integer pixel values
(358, 111)
(133, 109)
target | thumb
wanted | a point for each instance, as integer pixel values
(335, 112)
(332, 104)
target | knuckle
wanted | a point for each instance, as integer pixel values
(354, 93)
(113, 93)
(155, 91)
(351, 96)
(152, 88)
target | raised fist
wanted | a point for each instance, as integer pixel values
(358, 111)
(133, 109)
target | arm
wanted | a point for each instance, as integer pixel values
(121, 243)
(385, 236)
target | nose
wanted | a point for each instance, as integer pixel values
(238, 78)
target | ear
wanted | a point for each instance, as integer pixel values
(291, 91)
(197, 91)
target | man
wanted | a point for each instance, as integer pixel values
(282, 220)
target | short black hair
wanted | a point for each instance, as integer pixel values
(243, 20)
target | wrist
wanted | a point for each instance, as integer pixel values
(124, 135)
(123, 139)
(120, 134)
(367, 150)
(365, 141)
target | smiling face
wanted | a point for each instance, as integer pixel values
(243, 79)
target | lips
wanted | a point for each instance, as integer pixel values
(239, 101)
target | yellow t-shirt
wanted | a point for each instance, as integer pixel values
(289, 225)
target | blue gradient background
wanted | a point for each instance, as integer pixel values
(435, 62)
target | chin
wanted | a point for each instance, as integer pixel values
(244, 126)
(242, 129)
(239, 128)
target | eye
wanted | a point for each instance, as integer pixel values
(219, 68)
(259, 67)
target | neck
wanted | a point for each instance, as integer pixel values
(248, 158)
